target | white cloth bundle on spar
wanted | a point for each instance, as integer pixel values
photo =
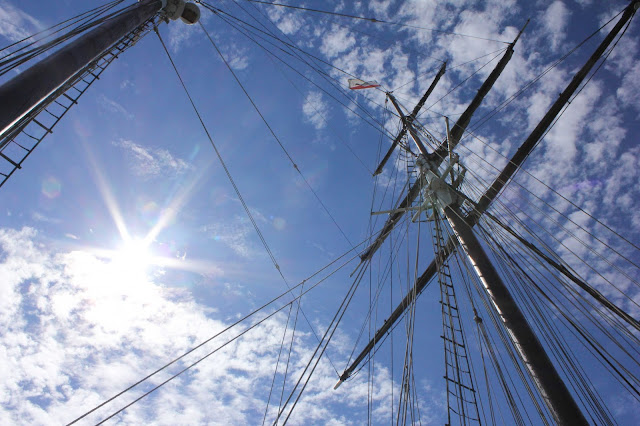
(357, 84)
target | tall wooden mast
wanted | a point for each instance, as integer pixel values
(551, 386)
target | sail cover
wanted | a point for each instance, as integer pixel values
(357, 84)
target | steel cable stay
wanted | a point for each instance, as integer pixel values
(537, 78)
(479, 123)
(49, 32)
(453, 337)
(393, 255)
(286, 369)
(516, 354)
(607, 315)
(264, 120)
(564, 215)
(481, 164)
(407, 371)
(538, 322)
(493, 168)
(464, 279)
(377, 126)
(319, 351)
(327, 77)
(450, 67)
(545, 230)
(464, 273)
(489, 115)
(93, 22)
(555, 209)
(503, 374)
(237, 191)
(618, 326)
(552, 259)
(418, 53)
(565, 310)
(336, 85)
(324, 119)
(349, 98)
(568, 308)
(251, 314)
(289, 44)
(547, 329)
(275, 371)
(371, 226)
(371, 19)
(293, 48)
(523, 276)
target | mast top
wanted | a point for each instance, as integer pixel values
(187, 12)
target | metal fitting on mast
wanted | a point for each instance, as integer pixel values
(187, 12)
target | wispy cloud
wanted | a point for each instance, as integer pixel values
(114, 107)
(555, 20)
(315, 110)
(152, 162)
(15, 24)
(103, 332)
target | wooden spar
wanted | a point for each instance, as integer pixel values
(28, 89)
(527, 146)
(458, 128)
(408, 125)
(410, 118)
(552, 388)
(489, 195)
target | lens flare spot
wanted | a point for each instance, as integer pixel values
(51, 187)
(150, 208)
(279, 223)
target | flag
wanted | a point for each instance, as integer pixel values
(357, 84)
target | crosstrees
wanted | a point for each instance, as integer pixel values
(488, 197)
(459, 128)
(411, 118)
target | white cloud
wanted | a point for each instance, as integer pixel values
(152, 162)
(237, 57)
(114, 107)
(76, 331)
(288, 23)
(39, 217)
(180, 34)
(15, 24)
(337, 40)
(629, 90)
(236, 235)
(555, 21)
(315, 110)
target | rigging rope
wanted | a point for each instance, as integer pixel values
(239, 321)
(375, 20)
(244, 205)
(264, 120)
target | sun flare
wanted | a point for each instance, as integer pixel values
(133, 258)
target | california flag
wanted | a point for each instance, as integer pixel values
(357, 84)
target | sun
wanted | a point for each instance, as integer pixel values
(133, 258)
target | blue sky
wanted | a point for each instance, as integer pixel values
(85, 312)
